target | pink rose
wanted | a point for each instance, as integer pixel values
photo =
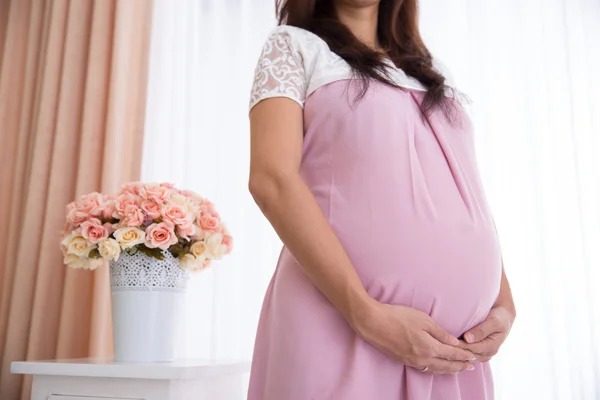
(109, 209)
(192, 195)
(156, 193)
(228, 241)
(186, 231)
(177, 214)
(211, 209)
(92, 203)
(122, 201)
(76, 215)
(93, 230)
(132, 187)
(151, 209)
(109, 228)
(160, 236)
(209, 223)
(69, 227)
(167, 185)
(134, 216)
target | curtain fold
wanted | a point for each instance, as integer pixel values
(72, 99)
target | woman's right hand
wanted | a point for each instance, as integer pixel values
(413, 338)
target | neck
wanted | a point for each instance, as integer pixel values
(362, 22)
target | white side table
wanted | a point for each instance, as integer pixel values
(89, 379)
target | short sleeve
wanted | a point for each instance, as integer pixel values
(280, 70)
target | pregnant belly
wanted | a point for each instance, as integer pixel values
(449, 270)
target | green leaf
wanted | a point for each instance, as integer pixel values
(154, 253)
(94, 254)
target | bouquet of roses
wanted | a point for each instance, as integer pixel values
(150, 218)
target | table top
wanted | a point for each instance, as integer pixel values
(106, 368)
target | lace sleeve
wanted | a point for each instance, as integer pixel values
(280, 71)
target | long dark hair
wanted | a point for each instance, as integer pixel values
(398, 34)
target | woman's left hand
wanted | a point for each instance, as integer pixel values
(485, 339)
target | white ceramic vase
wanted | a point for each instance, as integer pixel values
(147, 306)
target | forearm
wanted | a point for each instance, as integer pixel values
(298, 220)
(505, 298)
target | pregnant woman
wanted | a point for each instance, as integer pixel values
(390, 285)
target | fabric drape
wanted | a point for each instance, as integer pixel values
(72, 101)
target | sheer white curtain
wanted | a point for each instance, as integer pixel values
(531, 69)
(201, 69)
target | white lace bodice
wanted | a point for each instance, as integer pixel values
(295, 62)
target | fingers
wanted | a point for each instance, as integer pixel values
(451, 353)
(481, 331)
(487, 348)
(444, 367)
(441, 335)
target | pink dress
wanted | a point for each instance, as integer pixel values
(406, 200)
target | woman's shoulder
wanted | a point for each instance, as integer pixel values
(294, 63)
(299, 38)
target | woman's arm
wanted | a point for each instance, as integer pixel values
(485, 339)
(505, 298)
(404, 334)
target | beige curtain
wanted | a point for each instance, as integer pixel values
(72, 99)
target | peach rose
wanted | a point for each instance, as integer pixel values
(76, 245)
(198, 250)
(93, 230)
(133, 216)
(188, 261)
(215, 247)
(109, 249)
(76, 262)
(151, 209)
(124, 200)
(156, 193)
(167, 185)
(160, 236)
(209, 223)
(129, 237)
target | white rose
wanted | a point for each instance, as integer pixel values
(200, 234)
(129, 237)
(95, 263)
(182, 201)
(73, 261)
(77, 245)
(109, 249)
(198, 250)
(215, 247)
(188, 261)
